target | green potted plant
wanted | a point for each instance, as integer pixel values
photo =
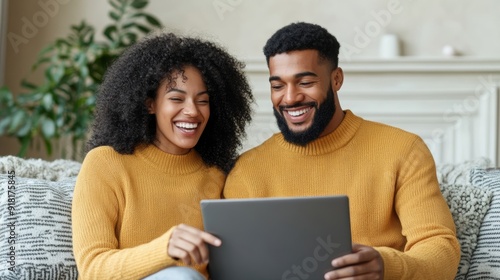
(62, 105)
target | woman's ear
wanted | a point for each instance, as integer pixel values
(337, 78)
(150, 105)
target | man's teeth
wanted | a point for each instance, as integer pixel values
(298, 112)
(186, 125)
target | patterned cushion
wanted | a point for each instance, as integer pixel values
(35, 237)
(468, 206)
(486, 257)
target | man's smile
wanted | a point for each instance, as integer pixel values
(297, 114)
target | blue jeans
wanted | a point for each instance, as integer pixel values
(176, 272)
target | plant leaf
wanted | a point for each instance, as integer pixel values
(114, 16)
(17, 120)
(139, 4)
(45, 50)
(149, 18)
(84, 71)
(48, 128)
(28, 85)
(115, 5)
(128, 25)
(4, 123)
(109, 31)
(25, 129)
(128, 39)
(152, 20)
(6, 97)
(47, 102)
(142, 28)
(57, 73)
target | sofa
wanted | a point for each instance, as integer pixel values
(35, 217)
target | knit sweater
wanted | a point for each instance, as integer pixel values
(126, 206)
(389, 176)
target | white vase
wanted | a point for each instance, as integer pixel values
(389, 46)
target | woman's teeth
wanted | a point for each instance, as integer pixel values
(186, 125)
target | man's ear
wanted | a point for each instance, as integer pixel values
(150, 105)
(337, 78)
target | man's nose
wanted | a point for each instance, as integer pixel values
(292, 95)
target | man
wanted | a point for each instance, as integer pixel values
(397, 210)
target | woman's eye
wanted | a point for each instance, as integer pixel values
(203, 102)
(175, 99)
(276, 87)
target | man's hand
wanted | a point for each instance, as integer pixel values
(188, 244)
(363, 263)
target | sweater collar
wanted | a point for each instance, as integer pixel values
(169, 163)
(328, 143)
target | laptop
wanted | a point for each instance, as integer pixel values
(276, 238)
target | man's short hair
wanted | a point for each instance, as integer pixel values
(303, 36)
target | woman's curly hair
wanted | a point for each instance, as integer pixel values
(303, 36)
(123, 122)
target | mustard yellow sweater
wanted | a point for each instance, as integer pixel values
(125, 207)
(389, 175)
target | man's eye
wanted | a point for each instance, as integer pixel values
(306, 83)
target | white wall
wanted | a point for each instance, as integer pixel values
(425, 26)
(243, 26)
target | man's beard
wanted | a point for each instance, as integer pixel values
(322, 117)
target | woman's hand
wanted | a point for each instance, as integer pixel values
(189, 244)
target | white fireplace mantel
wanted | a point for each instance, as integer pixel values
(452, 103)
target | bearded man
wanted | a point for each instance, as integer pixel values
(401, 225)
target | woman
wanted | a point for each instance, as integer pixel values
(170, 115)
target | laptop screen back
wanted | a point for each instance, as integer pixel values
(276, 238)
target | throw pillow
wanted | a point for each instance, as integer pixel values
(485, 264)
(468, 206)
(459, 174)
(40, 169)
(35, 237)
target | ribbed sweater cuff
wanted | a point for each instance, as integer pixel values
(393, 269)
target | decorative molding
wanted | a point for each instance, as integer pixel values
(402, 64)
(451, 103)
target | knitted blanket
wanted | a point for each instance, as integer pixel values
(39, 169)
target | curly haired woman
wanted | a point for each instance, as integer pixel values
(170, 116)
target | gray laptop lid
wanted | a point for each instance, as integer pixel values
(276, 238)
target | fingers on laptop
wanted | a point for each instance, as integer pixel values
(363, 263)
(189, 244)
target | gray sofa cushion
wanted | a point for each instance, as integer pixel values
(485, 264)
(468, 206)
(37, 243)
